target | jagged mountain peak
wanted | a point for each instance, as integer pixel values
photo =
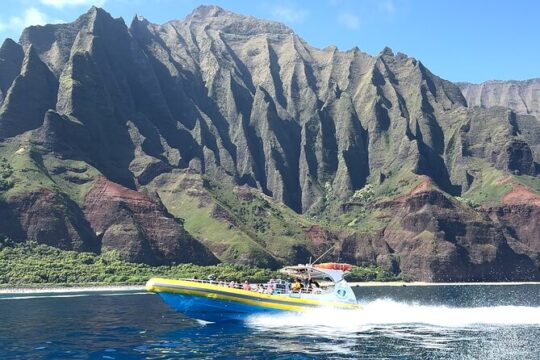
(97, 10)
(388, 54)
(11, 57)
(387, 51)
(43, 36)
(139, 19)
(98, 19)
(55, 43)
(203, 11)
(217, 18)
(98, 13)
(31, 59)
(8, 45)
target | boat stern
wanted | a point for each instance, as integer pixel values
(151, 285)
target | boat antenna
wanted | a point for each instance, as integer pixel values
(326, 252)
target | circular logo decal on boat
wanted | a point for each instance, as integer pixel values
(341, 293)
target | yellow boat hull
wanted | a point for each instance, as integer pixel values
(213, 302)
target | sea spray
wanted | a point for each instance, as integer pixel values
(389, 312)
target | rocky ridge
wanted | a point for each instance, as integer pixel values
(521, 96)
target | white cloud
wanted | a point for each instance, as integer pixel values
(388, 7)
(72, 3)
(289, 14)
(350, 21)
(31, 16)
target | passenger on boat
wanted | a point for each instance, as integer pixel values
(232, 284)
(296, 286)
(314, 286)
(246, 286)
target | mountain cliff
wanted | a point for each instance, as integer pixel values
(521, 96)
(223, 137)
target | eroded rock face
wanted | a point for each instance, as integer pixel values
(518, 158)
(230, 95)
(520, 96)
(521, 225)
(439, 240)
(523, 97)
(49, 219)
(233, 96)
(139, 227)
(518, 216)
(31, 94)
(11, 58)
(431, 237)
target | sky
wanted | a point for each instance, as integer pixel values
(459, 40)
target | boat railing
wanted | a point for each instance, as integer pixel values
(202, 280)
(255, 286)
(230, 284)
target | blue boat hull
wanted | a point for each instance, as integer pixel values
(213, 310)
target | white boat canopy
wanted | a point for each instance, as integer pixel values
(311, 272)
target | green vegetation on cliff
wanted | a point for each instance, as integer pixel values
(32, 264)
(5, 173)
(236, 223)
(20, 169)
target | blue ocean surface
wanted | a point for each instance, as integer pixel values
(411, 322)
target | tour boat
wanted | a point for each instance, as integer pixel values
(215, 301)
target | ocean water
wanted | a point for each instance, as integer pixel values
(425, 322)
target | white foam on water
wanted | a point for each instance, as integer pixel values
(388, 312)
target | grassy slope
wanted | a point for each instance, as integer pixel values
(26, 174)
(362, 215)
(231, 222)
(272, 225)
(30, 171)
(530, 182)
(185, 198)
(490, 184)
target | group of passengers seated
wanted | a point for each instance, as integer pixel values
(310, 286)
(276, 286)
(267, 288)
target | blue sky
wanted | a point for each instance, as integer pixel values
(474, 40)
